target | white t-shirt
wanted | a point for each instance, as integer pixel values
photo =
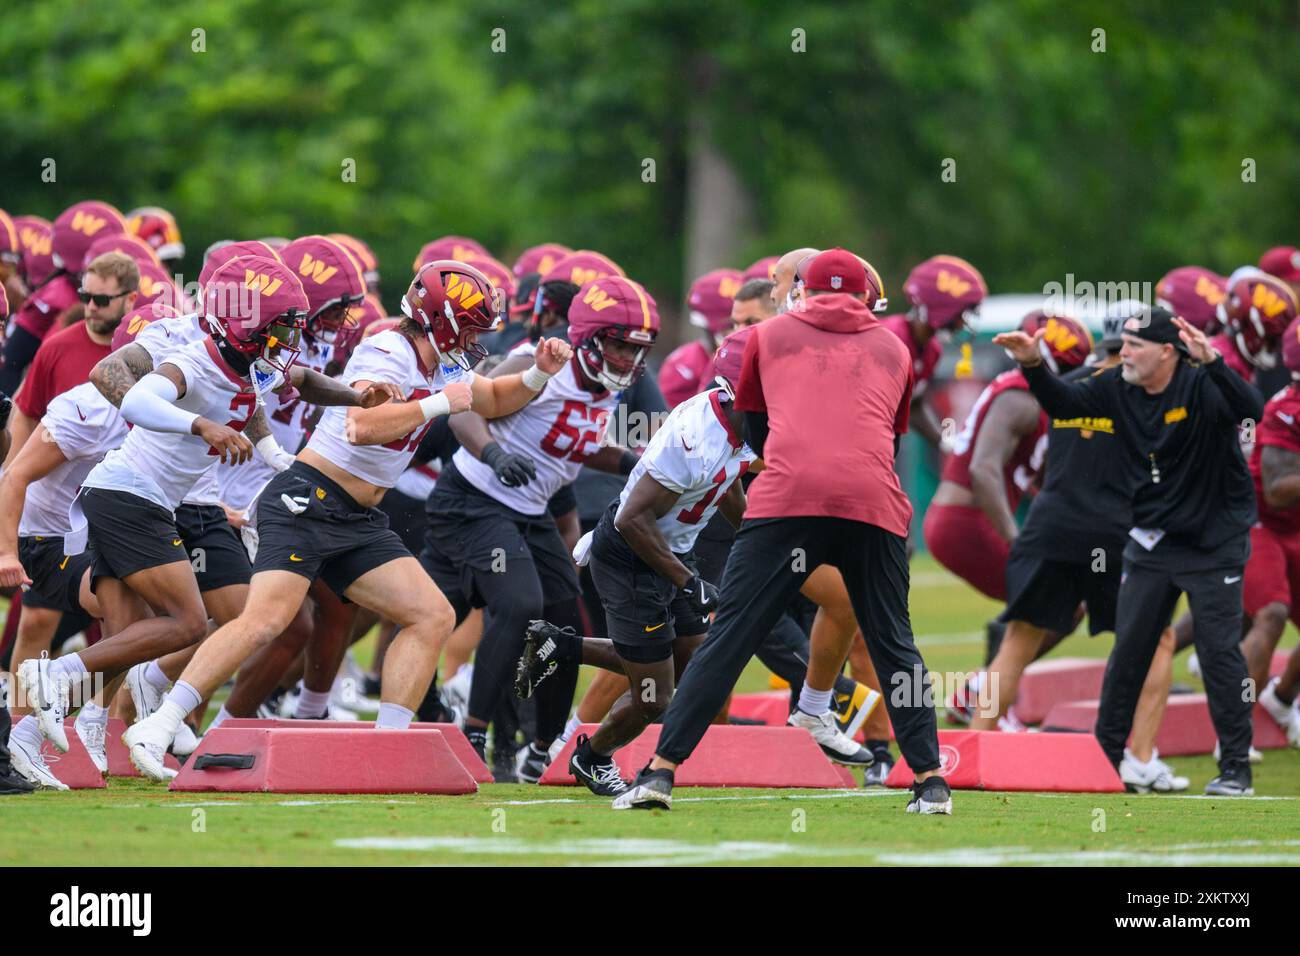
(559, 429)
(86, 426)
(164, 467)
(387, 357)
(696, 454)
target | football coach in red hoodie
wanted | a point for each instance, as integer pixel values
(825, 392)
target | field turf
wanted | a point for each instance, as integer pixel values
(134, 823)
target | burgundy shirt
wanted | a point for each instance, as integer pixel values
(63, 361)
(836, 385)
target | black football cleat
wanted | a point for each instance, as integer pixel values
(540, 659)
(933, 795)
(598, 772)
(652, 790)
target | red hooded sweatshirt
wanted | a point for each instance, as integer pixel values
(836, 386)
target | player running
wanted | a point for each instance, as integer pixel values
(318, 518)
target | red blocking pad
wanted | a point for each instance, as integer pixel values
(454, 736)
(1185, 730)
(772, 707)
(312, 760)
(727, 756)
(119, 759)
(1048, 683)
(991, 760)
(75, 767)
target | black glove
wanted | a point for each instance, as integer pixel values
(701, 595)
(511, 470)
(6, 406)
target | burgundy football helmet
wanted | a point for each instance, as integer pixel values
(453, 302)
(257, 307)
(1257, 309)
(612, 308)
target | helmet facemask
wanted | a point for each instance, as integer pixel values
(615, 373)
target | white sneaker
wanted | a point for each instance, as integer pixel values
(144, 695)
(147, 742)
(835, 745)
(1011, 724)
(1155, 775)
(335, 712)
(47, 696)
(1193, 664)
(1255, 755)
(185, 742)
(31, 764)
(92, 733)
(553, 751)
(455, 692)
(346, 693)
(1286, 715)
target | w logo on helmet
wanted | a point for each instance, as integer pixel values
(261, 282)
(37, 243)
(952, 284)
(86, 224)
(1267, 300)
(1208, 291)
(316, 269)
(462, 291)
(728, 288)
(597, 298)
(581, 277)
(137, 323)
(1059, 337)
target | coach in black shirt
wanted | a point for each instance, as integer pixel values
(1176, 408)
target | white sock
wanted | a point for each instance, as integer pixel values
(27, 731)
(393, 717)
(70, 666)
(92, 713)
(312, 703)
(573, 724)
(222, 714)
(814, 702)
(155, 678)
(180, 700)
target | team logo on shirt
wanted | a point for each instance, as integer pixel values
(1175, 415)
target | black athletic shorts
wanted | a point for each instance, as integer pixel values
(471, 532)
(129, 534)
(333, 538)
(56, 577)
(644, 613)
(1046, 593)
(562, 502)
(406, 518)
(216, 551)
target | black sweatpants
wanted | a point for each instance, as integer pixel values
(769, 562)
(1147, 598)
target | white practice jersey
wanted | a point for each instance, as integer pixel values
(159, 338)
(86, 426)
(387, 357)
(559, 429)
(164, 467)
(696, 454)
(239, 485)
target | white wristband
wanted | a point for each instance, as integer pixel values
(535, 379)
(435, 405)
(273, 454)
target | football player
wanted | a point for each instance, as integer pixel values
(944, 293)
(688, 368)
(491, 541)
(157, 228)
(318, 519)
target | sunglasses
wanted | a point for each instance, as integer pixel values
(100, 299)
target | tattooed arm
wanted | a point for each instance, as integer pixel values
(118, 371)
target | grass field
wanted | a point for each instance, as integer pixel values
(134, 823)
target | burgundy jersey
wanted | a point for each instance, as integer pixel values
(924, 359)
(1234, 359)
(1281, 429)
(1027, 459)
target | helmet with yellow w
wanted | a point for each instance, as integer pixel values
(613, 324)
(453, 302)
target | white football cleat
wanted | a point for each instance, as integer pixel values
(454, 693)
(1155, 775)
(32, 766)
(185, 742)
(147, 742)
(47, 696)
(835, 745)
(92, 734)
(1286, 715)
(144, 695)
(1193, 664)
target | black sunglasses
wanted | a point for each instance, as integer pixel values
(100, 299)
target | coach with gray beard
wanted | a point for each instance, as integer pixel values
(826, 390)
(1177, 407)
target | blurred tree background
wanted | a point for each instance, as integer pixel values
(769, 126)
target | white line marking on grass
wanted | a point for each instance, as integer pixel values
(289, 803)
(819, 795)
(618, 852)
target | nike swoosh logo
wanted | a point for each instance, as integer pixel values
(654, 627)
(1290, 420)
(686, 446)
(1232, 580)
(294, 557)
(79, 412)
(176, 543)
(66, 559)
